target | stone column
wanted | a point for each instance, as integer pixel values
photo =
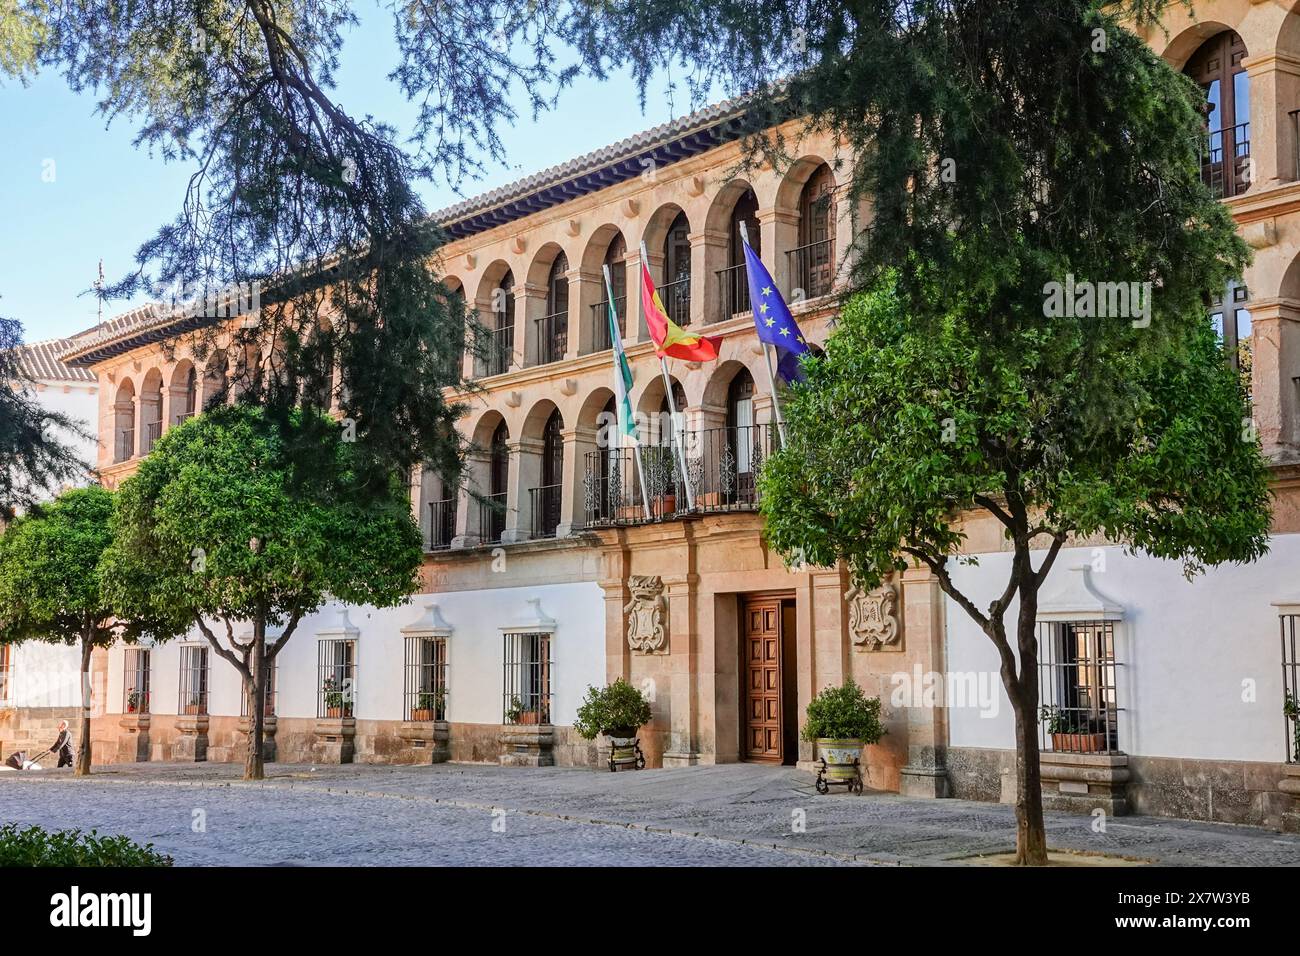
(1274, 91)
(682, 591)
(1275, 358)
(586, 289)
(530, 305)
(708, 255)
(525, 474)
(780, 231)
(176, 396)
(467, 506)
(636, 328)
(926, 771)
(578, 442)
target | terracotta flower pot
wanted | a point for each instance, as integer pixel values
(527, 717)
(421, 714)
(1079, 743)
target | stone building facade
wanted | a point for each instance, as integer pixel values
(1177, 688)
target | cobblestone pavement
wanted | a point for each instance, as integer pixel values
(740, 814)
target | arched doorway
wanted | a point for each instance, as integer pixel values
(616, 268)
(734, 280)
(675, 292)
(493, 524)
(744, 450)
(500, 328)
(812, 262)
(547, 496)
(1216, 66)
(124, 422)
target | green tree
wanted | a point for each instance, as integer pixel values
(908, 426)
(222, 525)
(49, 583)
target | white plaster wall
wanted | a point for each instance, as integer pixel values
(474, 656)
(1189, 650)
(46, 675)
(80, 402)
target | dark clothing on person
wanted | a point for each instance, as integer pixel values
(63, 748)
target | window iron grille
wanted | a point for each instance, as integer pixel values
(527, 679)
(1291, 685)
(1078, 686)
(337, 677)
(426, 679)
(6, 676)
(268, 698)
(194, 679)
(135, 682)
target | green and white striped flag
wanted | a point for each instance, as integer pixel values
(622, 373)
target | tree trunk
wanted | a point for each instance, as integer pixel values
(255, 694)
(1031, 834)
(83, 752)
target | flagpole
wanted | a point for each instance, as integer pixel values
(672, 406)
(615, 341)
(767, 353)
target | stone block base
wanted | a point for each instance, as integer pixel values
(929, 782)
(191, 743)
(677, 758)
(133, 739)
(1081, 783)
(268, 738)
(1290, 785)
(424, 742)
(334, 740)
(527, 745)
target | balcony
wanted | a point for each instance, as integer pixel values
(552, 332)
(442, 524)
(733, 291)
(152, 432)
(722, 466)
(600, 340)
(546, 510)
(676, 297)
(1225, 161)
(812, 270)
(125, 446)
(492, 518)
(498, 351)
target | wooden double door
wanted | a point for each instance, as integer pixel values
(769, 720)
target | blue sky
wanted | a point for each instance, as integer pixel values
(73, 192)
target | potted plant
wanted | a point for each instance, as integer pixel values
(842, 720)
(428, 705)
(336, 699)
(133, 701)
(1073, 733)
(617, 711)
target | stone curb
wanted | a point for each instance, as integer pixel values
(472, 805)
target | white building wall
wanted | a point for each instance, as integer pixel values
(474, 656)
(46, 675)
(1191, 652)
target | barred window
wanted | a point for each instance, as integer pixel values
(194, 679)
(1078, 681)
(337, 671)
(268, 697)
(1290, 620)
(6, 675)
(527, 698)
(135, 681)
(426, 679)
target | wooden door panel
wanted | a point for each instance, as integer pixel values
(763, 705)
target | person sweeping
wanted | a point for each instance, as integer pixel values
(63, 745)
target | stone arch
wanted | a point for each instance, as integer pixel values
(654, 427)
(496, 307)
(151, 410)
(183, 392)
(726, 293)
(608, 246)
(124, 443)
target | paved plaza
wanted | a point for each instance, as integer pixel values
(734, 815)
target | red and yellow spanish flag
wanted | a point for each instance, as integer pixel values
(670, 339)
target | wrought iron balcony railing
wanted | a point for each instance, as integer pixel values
(125, 449)
(492, 518)
(676, 297)
(733, 291)
(152, 432)
(442, 524)
(552, 332)
(600, 339)
(546, 510)
(498, 351)
(812, 270)
(722, 468)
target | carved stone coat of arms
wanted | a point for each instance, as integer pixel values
(647, 622)
(873, 616)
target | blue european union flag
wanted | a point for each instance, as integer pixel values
(772, 318)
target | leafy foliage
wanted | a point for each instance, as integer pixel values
(33, 462)
(34, 846)
(220, 522)
(844, 713)
(617, 710)
(49, 561)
